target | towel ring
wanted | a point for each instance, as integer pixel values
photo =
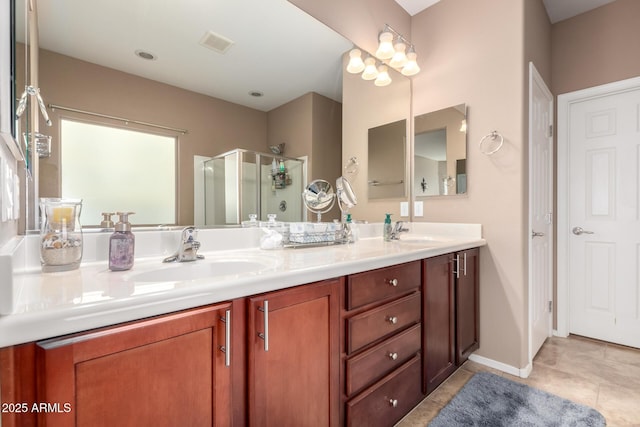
(485, 140)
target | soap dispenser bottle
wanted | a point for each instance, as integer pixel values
(121, 244)
(386, 231)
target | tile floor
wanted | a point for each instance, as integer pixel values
(601, 375)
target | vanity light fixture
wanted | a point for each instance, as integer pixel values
(383, 78)
(400, 55)
(370, 70)
(385, 48)
(356, 64)
(411, 68)
(399, 58)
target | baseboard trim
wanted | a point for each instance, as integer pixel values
(512, 370)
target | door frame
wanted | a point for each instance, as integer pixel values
(565, 101)
(536, 79)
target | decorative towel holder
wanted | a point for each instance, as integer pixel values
(491, 143)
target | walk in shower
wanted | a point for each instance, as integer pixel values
(241, 182)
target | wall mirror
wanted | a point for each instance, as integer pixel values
(440, 152)
(224, 50)
(386, 154)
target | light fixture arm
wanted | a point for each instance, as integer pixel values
(388, 28)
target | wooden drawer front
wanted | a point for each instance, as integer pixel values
(388, 401)
(376, 285)
(367, 327)
(368, 367)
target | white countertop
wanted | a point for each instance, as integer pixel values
(45, 305)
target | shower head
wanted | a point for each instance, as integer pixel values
(277, 149)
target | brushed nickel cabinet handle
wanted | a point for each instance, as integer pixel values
(265, 335)
(393, 356)
(226, 348)
(393, 403)
(392, 319)
(393, 282)
(464, 262)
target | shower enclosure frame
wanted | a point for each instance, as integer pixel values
(240, 168)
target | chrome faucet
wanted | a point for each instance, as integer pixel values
(187, 247)
(397, 229)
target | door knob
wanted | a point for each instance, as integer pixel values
(579, 230)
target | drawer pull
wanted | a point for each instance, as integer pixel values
(393, 282)
(393, 356)
(393, 403)
(392, 319)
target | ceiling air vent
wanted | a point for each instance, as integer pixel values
(216, 42)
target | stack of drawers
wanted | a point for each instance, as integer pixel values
(382, 374)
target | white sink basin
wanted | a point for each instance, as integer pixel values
(204, 268)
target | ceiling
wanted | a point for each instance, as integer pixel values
(558, 10)
(278, 50)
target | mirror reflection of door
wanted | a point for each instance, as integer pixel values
(430, 159)
(440, 151)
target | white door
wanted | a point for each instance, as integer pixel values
(540, 205)
(603, 217)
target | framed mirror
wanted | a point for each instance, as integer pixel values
(142, 64)
(8, 85)
(440, 152)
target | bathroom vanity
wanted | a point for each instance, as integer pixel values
(351, 334)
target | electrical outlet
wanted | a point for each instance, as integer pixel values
(418, 209)
(404, 209)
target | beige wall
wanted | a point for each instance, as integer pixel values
(469, 56)
(597, 47)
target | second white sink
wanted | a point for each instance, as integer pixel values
(201, 269)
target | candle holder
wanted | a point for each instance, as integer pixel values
(60, 234)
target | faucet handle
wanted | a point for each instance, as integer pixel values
(400, 227)
(189, 234)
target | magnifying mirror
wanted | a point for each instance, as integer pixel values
(345, 195)
(319, 197)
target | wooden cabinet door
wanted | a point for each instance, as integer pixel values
(163, 371)
(294, 356)
(438, 321)
(467, 304)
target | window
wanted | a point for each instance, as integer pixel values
(113, 169)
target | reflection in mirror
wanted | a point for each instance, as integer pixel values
(319, 197)
(440, 152)
(240, 184)
(387, 160)
(217, 97)
(150, 194)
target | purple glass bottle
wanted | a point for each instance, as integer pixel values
(122, 244)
